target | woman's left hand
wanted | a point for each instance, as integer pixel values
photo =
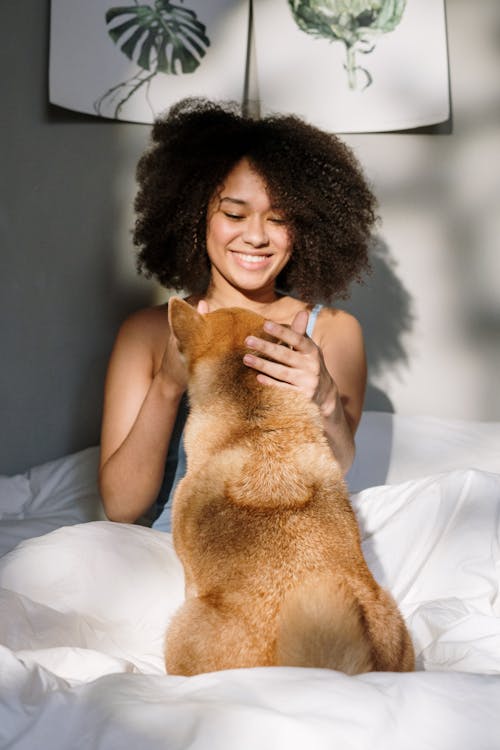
(293, 361)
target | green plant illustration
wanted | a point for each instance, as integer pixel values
(160, 37)
(356, 23)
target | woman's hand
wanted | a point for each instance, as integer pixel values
(173, 372)
(295, 361)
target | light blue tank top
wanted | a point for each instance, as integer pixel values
(312, 319)
(164, 520)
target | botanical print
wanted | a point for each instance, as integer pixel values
(160, 38)
(133, 59)
(356, 23)
(353, 66)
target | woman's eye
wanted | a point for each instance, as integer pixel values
(276, 220)
(233, 216)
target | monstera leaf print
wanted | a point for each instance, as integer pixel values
(356, 23)
(162, 37)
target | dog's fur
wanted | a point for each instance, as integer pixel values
(263, 526)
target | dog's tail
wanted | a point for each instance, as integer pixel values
(321, 624)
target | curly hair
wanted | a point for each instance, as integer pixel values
(311, 175)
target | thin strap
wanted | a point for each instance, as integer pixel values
(312, 319)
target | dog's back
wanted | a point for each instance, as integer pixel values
(263, 525)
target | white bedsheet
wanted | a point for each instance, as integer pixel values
(84, 610)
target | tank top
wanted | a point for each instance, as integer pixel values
(176, 462)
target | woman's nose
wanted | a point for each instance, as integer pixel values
(255, 233)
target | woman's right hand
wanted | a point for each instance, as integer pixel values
(173, 370)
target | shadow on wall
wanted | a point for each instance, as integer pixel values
(384, 308)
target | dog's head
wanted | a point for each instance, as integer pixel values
(216, 339)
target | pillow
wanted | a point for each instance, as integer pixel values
(55, 494)
(392, 448)
(106, 587)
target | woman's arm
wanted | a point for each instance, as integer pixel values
(144, 385)
(331, 371)
(342, 347)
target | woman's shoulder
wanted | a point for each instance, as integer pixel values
(333, 321)
(334, 315)
(147, 318)
(145, 329)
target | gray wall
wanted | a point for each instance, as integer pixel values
(60, 298)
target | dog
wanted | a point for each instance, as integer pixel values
(263, 526)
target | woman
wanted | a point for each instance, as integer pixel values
(237, 212)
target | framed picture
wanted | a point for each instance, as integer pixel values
(131, 61)
(353, 65)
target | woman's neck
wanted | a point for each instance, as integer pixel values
(225, 295)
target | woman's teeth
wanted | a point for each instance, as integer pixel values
(252, 258)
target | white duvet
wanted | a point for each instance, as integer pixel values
(84, 609)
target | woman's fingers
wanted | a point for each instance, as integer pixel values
(302, 373)
(289, 336)
(299, 323)
(274, 370)
(274, 351)
(289, 343)
(294, 361)
(266, 380)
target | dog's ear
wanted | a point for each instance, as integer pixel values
(184, 321)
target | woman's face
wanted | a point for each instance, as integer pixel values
(248, 241)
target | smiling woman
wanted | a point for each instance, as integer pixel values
(271, 215)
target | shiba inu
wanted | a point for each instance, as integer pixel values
(263, 526)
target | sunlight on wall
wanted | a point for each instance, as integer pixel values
(439, 201)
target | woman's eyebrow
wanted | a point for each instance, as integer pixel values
(241, 202)
(233, 200)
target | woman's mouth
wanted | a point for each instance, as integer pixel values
(251, 261)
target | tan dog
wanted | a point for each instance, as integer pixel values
(263, 526)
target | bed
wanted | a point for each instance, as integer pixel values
(85, 603)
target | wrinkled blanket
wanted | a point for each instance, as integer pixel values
(84, 611)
